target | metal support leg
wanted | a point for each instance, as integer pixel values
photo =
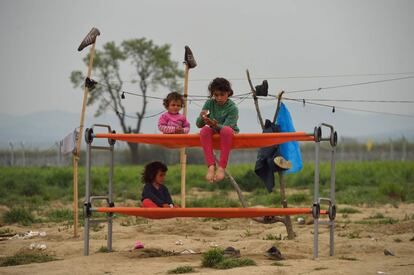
(316, 201)
(87, 201)
(332, 195)
(110, 197)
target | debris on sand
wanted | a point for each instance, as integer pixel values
(388, 253)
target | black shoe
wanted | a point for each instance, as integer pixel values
(274, 254)
(89, 39)
(231, 252)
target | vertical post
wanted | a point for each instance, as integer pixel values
(288, 222)
(23, 154)
(391, 150)
(87, 203)
(316, 201)
(110, 196)
(60, 153)
(190, 63)
(90, 39)
(404, 149)
(183, 156)
(11, 153)
(332, 197)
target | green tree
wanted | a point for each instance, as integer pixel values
(153, 67)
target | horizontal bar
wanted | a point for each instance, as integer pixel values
(162, 213)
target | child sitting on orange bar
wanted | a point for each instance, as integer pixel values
(172, 122)
(155, 193)
(219, 115)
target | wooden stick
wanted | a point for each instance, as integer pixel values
(256, 103)
(183, 156)
(76, 156)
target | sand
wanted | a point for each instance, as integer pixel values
(359, 248)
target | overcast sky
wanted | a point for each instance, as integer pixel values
(282, 41)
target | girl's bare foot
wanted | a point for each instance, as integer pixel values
(219, 174)
(210, 174)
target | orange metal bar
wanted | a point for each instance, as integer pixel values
(164, 213)
(250, 140)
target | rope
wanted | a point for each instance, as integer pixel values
(350, 85)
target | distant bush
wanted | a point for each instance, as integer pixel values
(18, 215)
(26, 257)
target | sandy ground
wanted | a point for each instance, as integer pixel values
(359, 248)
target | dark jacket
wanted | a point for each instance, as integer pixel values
(158, 196)
(265, 166)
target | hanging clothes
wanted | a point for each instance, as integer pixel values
(265, 167)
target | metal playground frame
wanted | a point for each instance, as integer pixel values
(315, 210)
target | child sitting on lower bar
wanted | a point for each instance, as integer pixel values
(155, 193)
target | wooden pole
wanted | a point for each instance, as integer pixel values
(190, 63)
(183, 156)
(76, 155)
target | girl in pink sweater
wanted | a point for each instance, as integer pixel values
(172, 122)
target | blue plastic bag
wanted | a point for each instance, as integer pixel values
(289, 150)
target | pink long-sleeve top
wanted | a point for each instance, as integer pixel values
(169, 122)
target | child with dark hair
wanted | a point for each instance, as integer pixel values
(219, 115)
(172, 122)
(155, 193)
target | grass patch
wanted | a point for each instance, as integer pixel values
(354, 235)
(377, 216)
(19, 215)
(6, 231)
(181, 270)
(279, 264)
(103, 249)
(232, 263)
(273, 237)
(60, 215)
(26, 257)
(348, 210)
(215, 258)
(348, 258)
(212, 257)
(154, 252)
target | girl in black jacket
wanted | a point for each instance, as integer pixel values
(155, 193)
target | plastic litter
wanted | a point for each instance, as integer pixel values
(138, 245)
(38, 246)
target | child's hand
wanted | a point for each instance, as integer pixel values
(212, 123)
(165, 205)
(179, 130)
(204, 113)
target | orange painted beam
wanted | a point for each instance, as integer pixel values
(250, 140)
(163, 213)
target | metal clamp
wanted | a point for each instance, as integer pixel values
(333, 136)
(89, 135)
(317, 133)
(87, 212)
(316, 210)
(332, 212)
